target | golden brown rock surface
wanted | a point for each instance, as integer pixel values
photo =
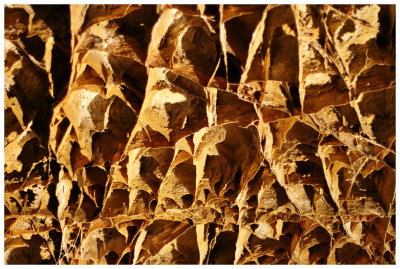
(200, 134)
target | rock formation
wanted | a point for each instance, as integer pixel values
(199, 134)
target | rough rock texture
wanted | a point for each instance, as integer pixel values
(200, 134)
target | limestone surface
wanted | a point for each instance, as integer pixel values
(199, 134)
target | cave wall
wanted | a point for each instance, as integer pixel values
(199, 134)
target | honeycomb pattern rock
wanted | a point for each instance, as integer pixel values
(199, 134)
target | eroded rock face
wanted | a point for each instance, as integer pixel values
(199, 134)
